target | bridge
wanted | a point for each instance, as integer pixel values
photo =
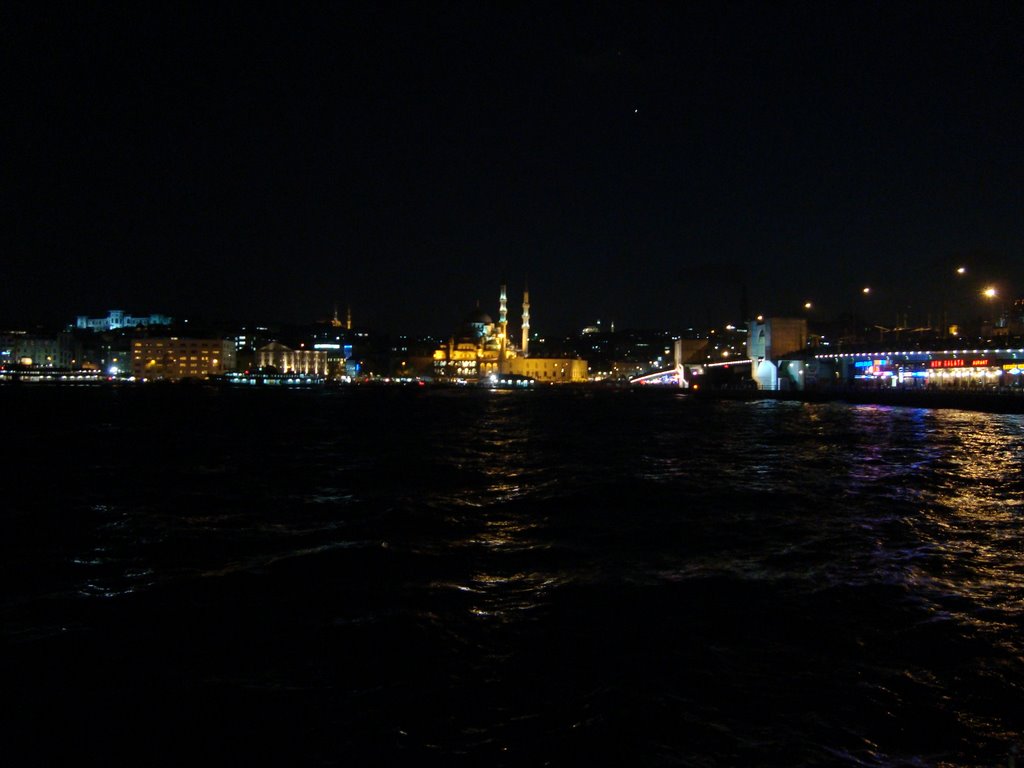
(682, 374)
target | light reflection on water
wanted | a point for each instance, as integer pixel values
(756, 549)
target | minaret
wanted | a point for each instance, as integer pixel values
(526, 319)
(503, 321)
(348, 318)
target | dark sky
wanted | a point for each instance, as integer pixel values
(635, 164)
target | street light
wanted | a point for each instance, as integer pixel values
(866, 290)
(807, 305)
(990, 293)
(961, 270)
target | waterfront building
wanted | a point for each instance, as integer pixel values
(112, 358)
(550, 370)
(958, 369)
(248, 339)
(308, 362)
(337, 355)
(116, 319)
(59, 351)
(8, 341)
(352, 351)
(181, 358)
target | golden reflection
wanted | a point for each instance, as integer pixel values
(507, 597)
(971, 520)
(503, 533)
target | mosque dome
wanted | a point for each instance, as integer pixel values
(478, 317)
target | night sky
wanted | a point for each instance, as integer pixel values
(635, 165)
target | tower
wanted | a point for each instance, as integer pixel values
(348, 318)
(526, 319)
(503, 321)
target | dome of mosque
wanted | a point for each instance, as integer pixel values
(478, 316)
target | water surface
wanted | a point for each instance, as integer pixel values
(453, 577)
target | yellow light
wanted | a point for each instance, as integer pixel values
(866, 290)
(989, 293)
(807, 305)
(961, 270)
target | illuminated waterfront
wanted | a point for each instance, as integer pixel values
(456, 577)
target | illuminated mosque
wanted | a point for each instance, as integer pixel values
(482, 347)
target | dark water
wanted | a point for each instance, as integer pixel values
(394, 577)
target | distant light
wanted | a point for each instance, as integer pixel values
(807, 305)
(866, 290)
(989, 293)
(961, 270)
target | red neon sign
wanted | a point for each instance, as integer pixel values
(958, 363)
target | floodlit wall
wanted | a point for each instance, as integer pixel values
(310, 362)
(555, 370)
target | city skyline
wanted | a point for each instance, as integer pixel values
(639, 165)
(990, 304)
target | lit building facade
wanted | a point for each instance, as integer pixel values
(550, 370)
(8, 346)
(973, 369)
(308, 362)
(179, 358)
(60, 351)
(117, 319)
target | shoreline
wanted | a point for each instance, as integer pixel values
(981, 401)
